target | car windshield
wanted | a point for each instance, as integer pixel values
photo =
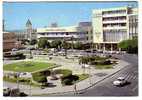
(120, 79)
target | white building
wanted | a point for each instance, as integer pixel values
(112, 25)
(70, 33)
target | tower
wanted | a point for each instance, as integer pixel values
(29, 30)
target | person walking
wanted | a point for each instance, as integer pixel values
(75, 89)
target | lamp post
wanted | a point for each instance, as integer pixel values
(90, 75)
(72, 41)
(30, 87)
(17, 75)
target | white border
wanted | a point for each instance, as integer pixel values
(70, 98)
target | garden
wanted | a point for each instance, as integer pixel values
(67, 78)
(28, 66)
(39, 73)
(99, 62)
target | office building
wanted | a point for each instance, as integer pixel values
(69, 33)
(112, 25)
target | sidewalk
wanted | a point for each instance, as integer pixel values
(94, 79)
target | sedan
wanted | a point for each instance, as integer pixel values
(121, 81)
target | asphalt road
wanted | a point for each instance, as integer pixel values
(106, 88)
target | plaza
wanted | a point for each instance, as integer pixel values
(82, 59)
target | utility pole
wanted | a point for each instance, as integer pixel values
(3, 25)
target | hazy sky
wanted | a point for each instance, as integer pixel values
(43, 14)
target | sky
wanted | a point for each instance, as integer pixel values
(43, 14)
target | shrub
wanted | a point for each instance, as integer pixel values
(67, 82)
(91, 59)
(39, 77)
(102, 62)
(65, 72)
(71, 77)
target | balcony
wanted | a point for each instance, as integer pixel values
(114, 21)
(114, 27)
(115, 15)
(61, 36)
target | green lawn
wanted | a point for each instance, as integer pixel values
(14, 80)
(82, 77)
(28, 66)
(104, 66)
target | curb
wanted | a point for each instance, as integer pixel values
(82, 90)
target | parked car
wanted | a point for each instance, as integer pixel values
(14, 91)
(6, 91)
(121, 81)
(55, 54)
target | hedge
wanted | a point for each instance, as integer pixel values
(69, 79)
(39, 77)
(65, 72)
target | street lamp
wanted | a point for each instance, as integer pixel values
(30, 87)
(17, 76)
(90, 75)
(72, 41)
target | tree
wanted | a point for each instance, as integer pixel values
(66, 45)
(56, 43)
(43, 43)
(131, 45)
(78, 45)
(33, 42)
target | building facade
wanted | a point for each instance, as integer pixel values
(9, 41)
(30, 32)
(110, 26)
(87, 28)
(70, 33)
(133, 23)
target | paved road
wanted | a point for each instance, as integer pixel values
(106, 88)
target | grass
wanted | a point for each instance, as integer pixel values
(104, 66)
(28, 66)
(82, 77)
(14, 80)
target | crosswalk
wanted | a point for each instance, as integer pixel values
(130, 76)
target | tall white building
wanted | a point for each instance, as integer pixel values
(112, 25)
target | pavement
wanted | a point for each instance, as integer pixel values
(106, 88)
(96, 76)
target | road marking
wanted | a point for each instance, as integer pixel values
(129, 77)
(134, 89)
(135, 77)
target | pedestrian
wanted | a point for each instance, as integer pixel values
(75, 89)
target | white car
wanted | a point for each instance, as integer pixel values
(6, 91)
(121, 81)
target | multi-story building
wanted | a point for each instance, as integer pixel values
(87, 28)
(133, 23)
(112, 25)
(9, 41)
(70, 33)
(19, 34)
(29, 33)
